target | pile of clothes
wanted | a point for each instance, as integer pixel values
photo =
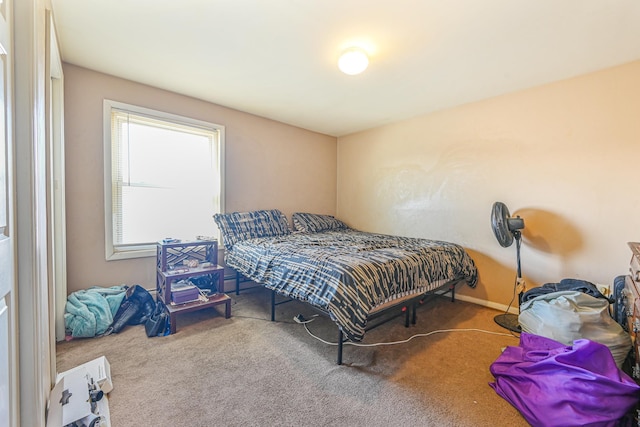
(566, 370)
(101, 311)
(570, 310)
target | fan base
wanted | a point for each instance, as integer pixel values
(508, 321)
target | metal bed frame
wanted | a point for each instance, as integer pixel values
(408, 307)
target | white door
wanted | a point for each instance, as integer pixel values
(8, 329)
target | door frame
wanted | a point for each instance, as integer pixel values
(30, 140)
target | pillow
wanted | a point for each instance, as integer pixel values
(314, 223)
(238, 226)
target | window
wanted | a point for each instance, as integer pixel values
(163, 178)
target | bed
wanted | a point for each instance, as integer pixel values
(350, 275)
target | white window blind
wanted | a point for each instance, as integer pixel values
(165, 179)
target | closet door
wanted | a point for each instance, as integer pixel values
(8, 330)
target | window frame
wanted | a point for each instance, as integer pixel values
(127, 251)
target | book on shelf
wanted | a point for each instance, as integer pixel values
(184, 291)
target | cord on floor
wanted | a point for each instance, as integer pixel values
(301, 320)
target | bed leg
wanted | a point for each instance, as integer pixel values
(407, 314)
(273, 305)
(453, 292)
(414, 315)
(237, 283)
(340, 341)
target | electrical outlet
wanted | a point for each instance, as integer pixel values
(604, 289)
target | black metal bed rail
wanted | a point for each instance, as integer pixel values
(241, 279)
(408, 308)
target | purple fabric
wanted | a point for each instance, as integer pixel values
(552, 384)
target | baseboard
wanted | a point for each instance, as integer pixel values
(484, 303)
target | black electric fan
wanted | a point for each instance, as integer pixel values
(507, 229)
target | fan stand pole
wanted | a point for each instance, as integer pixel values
(509, 320)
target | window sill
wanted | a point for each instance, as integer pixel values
(118, 254)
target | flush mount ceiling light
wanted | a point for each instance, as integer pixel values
(353, 61)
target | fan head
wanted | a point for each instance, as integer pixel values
(504, 226)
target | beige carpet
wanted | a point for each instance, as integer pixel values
(249, 371)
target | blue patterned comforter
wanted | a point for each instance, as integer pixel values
(347, 273)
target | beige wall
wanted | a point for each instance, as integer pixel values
(268, 165)
(563, 156)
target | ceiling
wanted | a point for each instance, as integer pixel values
(277, 58)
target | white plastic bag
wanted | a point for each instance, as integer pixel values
(570, 315)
